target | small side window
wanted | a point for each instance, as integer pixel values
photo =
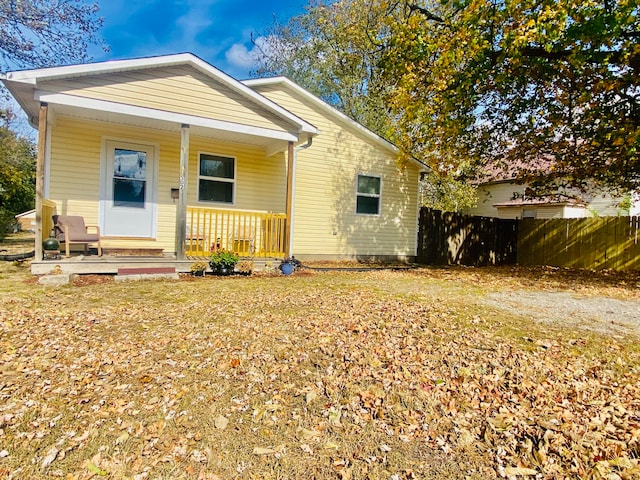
(368, 195)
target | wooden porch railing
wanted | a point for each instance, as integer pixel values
(249, 234)
(48, 211)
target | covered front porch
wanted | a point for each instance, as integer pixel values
(256, 236)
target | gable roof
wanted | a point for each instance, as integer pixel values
(324, 106)
(23, 83)
(331, 111)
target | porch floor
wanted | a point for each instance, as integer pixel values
(110, 264)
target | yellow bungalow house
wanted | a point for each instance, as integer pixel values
(172, 158)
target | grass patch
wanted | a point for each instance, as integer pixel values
(381, 374)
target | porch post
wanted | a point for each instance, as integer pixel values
(289, 211)
(42, 140)
(181, 214)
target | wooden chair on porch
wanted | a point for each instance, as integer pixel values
(70, 229)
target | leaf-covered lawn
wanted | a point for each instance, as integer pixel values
(346, 375)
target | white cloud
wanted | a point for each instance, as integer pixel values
(242, 57)
(239, 56)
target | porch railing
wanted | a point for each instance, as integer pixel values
(249, 234)
(48, 211)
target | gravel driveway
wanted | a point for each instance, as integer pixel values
(600, 314)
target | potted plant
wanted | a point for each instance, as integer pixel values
(223, 261)
(245, 267)
(197, 269)
(288, 265)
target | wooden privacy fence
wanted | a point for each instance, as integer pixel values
(446, 238)
(591, 243)
(587, 243)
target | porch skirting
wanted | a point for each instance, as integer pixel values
(92, 264)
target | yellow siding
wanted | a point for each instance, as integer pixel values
(76, 162)
(177, 89)
(260, 181)
(325, 222)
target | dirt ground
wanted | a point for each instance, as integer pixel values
(599, 314)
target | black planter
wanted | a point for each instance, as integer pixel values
(223, 270)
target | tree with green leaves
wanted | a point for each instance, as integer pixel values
(548, 87)
(334, 50)
(328, 51)
(544, 88)
(17, 174)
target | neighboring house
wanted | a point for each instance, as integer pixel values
(170, 155)
(504, 198)
(26, 221)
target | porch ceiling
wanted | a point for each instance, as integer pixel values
(227, 131)
(271, 141)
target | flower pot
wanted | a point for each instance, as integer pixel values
(223, 270)
(287, 268)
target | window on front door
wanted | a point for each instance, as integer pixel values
(368, 195)
(216, 178)
(129, 178)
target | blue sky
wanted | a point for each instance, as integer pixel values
(218, 31)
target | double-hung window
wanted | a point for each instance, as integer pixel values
(368, 195)
(216, 178)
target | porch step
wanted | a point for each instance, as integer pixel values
(146, 273)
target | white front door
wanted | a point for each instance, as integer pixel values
(129, 190)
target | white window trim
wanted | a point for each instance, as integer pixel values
(370, 195)
(218, 179)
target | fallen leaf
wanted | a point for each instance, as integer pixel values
(95, 469)
(49, 457)
(122, 438)
(221, 422)
(307, 434)
(263, 451)
(511, 471)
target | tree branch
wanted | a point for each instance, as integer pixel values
(430, 16)
(613, 57)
